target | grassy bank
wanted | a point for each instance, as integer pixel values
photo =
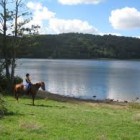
(74, 120)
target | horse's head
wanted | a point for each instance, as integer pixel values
(42, 85)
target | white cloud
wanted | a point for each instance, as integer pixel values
(34, 6)
(116, 34)
(52, 25)
(74, 25)
(138, 37)
(125, 18)
(75, 2)
(40, 13)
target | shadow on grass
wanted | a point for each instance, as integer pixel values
(10, 113)
(47, 106)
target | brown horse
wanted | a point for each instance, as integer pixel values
(19, 90)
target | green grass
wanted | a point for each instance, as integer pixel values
(53, 120)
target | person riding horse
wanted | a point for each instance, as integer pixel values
(28, 83)
(19, 89)
(31, 89)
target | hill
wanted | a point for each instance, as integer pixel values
(81, 46)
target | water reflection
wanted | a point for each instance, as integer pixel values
(85, 78)
(78, 79)
(124, 81)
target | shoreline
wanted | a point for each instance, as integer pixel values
(111, 59)
(63, 98)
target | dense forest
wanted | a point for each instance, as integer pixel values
(82, 46)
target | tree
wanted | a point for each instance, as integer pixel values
(13, 30)
(18, 27)
(4, 17)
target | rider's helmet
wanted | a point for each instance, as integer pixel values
(27, 74)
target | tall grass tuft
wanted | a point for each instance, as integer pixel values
(136, 117)
(134, 105)
(3, 108)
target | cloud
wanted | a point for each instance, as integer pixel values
(40, 13)
(75, 2)
(72, 25)
(52, 25)
(125, 18)
(34, 6)
(111, 33)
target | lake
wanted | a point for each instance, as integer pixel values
(114, 79)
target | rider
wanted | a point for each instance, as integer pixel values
(28, 82)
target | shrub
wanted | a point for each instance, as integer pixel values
(18, 80)
(4, 82)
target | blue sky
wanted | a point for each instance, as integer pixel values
(118, 17)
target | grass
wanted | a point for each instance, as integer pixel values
(78, 120)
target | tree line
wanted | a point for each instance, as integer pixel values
(81, 46)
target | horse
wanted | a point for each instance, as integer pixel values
(20, 89)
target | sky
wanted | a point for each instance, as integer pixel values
(97, 17)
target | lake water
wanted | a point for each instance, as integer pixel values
(119, 80)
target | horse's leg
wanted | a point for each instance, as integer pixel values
(16, 95)
(33, 98)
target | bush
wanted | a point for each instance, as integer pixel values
(4, 82)
(3, 108)
(18, 80)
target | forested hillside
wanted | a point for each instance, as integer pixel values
(82, 46)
